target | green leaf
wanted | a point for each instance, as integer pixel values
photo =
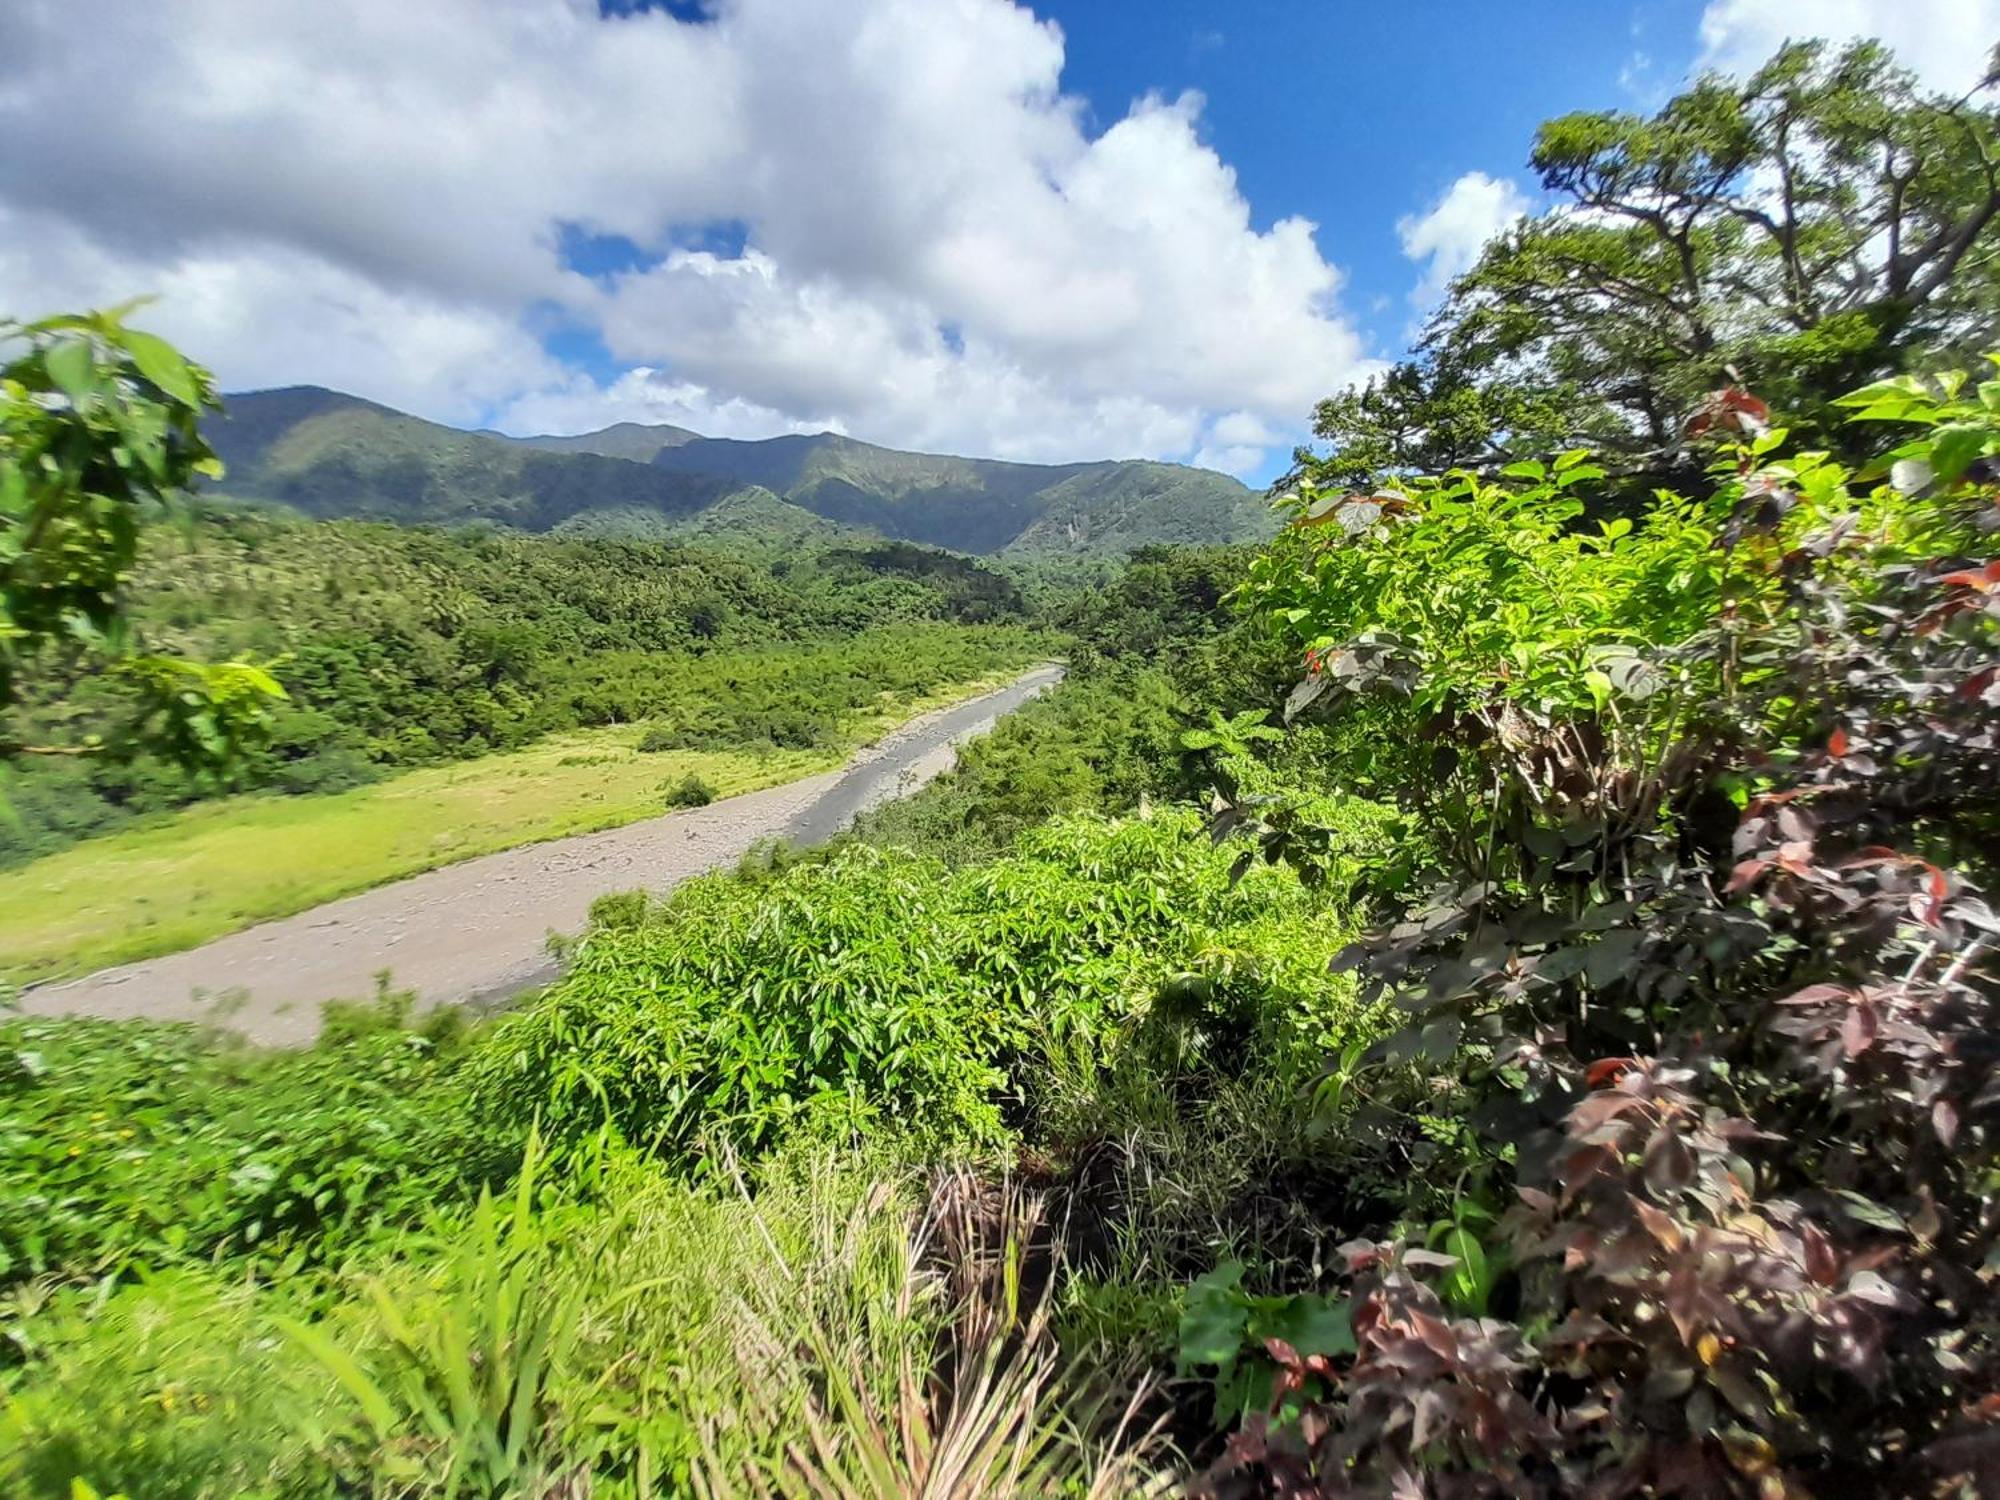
(71, 367)
(162, 364)
(342, 1366)
(1311, 1324)
(1213, 1326)
(1955, 448)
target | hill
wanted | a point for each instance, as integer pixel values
(636, 442)
(985, 505)
(329, 454)
(753, 517)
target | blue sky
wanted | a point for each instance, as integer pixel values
(1052, 231)
(1359, 114)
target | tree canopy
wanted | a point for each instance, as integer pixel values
(1821, 224)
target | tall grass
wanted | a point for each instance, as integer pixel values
(986, 1407)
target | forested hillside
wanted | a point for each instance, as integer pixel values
(983, 505)
(329, 455)
(1490, 992)
(326, 454)
(402, 646)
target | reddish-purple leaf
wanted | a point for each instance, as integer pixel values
(1745, 875)
(1859, 1030)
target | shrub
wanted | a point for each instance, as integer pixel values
(690, 791)
(126, 1143)
(875, 986)
(619, 911)
(659, 738)
(1699, 972)
(177, 1387)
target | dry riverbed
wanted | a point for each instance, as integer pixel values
(477, 930)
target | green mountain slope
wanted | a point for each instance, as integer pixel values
(330, 455)
(333, 455)
(968, 504)
(751, 519)
(635, 442)
(755, 517)
(1115, 507)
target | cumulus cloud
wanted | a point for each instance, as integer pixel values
(576, 403)
(1945, 42)
(278, 315)
(938, 252)
(1448, 236)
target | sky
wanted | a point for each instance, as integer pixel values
(1052, 231)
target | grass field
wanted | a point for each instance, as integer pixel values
(171, 883)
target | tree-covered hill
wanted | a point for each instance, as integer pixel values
(331, 455)
(746, 522)
(328, 454)
(636, 441)
(985, 505)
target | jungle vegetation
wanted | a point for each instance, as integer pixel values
(1491, 993)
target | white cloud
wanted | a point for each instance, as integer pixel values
(371, 195)
(1946, 42)
(281, 316)
(1448, 236)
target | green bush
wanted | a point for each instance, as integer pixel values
(176, 1388)
(1700, 1005)
(690, 791)
(618, 911)
(129, 1143)
(876, 987)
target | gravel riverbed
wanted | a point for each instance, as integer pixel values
(477, 932)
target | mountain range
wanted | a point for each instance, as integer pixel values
(329, 454)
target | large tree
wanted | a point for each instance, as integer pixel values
(1821, 224)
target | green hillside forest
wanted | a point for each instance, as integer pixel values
(330, 455)
(401, 647)
(1486, 986)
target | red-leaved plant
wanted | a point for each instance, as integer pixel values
(1732, 1030)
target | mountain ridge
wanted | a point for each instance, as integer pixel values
(328, 453)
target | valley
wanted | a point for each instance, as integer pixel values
(601, 961)
(473, 932)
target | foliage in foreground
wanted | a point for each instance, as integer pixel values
(99, 435)
(828, 1326)
(1706, 971)
(126, 1145)
(877, 989)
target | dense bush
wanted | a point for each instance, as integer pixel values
(1699, 972)
(126, 1144)
(603, 1315)
(875, 987)
(690, 791)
